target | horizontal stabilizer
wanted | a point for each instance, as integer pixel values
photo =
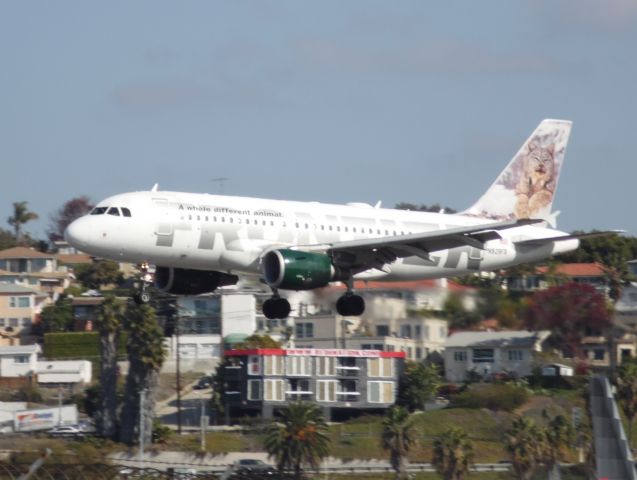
(574, 236)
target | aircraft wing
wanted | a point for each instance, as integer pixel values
(377, 252)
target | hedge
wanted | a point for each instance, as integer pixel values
(78, 346)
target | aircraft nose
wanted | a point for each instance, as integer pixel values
(77, 233)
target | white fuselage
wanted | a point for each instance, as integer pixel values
(231, 234)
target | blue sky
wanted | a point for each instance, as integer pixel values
(333, 101)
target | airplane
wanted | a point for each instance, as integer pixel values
(189, 243)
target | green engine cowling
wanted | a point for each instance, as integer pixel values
(296, 270)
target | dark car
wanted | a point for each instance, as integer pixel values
(203, 383)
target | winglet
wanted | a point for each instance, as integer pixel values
(526, 187)
(155, 187)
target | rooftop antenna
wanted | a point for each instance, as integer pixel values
(220, 181)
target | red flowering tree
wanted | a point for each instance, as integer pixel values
(568, 311)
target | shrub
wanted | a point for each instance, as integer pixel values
(504, 396)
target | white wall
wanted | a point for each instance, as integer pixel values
(238, 314)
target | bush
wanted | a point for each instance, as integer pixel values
(504, 396)
(76, 345)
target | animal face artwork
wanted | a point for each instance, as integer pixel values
(536, 187)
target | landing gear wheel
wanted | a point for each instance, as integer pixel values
(141, 298)
(276, 307)
(350, 305)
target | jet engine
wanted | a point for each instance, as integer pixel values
(296, 270)
(181, 281)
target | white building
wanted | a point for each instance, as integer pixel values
(19, 360)
(489, 353)
(64, 372)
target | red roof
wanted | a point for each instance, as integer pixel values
(23, 252)
(577, 269)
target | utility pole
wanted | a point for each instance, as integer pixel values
(142, 399)
(178, 376)
(203, 424)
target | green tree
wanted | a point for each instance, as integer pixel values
(457, 314)
(258, 341)
(21, 215)
(145, 355)
(398, 436)
(525, 443)
(109, 323)
(98, 273)
(418, 384)
(7, 240)
(57, 317)
(627, 391)
(453, 454)
(298, 437)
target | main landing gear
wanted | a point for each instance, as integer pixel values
(146, 278)
(276, 307)
(350, 304)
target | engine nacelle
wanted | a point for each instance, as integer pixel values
(297, 270)
(181, 281)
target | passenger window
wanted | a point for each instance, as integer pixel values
(99, 211)
(113, 211)
(126, 212)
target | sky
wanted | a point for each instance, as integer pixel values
(331, 101)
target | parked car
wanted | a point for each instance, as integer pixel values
(66, 431)
(203, 383)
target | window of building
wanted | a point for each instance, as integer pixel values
(418, 353)
(382, 330)
(380, 392)
(299, 389)
(326, 366)
(1, 322)
(460, 356)
(273, 365)
(443, 332)
(273, 390)
(405, 331)
(254, 365)
(21, 359)
(380, 367)
(304, 330)
(19, 302)
(347, 391)
(481, 355)
(13, 322)
(299, 365)
(254, 389)
(417, 331)
(599, 354)
(426, 332)
(26, 322)
(326, 390)
(515, 355)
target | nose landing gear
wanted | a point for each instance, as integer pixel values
(147, 277)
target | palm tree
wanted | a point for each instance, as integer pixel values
(525, 444)
(453, 454)
(558, 435)
(300, 436)
(21, 215)
(110, 321)
(145, 355)
(398, 436)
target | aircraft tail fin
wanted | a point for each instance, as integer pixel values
(526, 187)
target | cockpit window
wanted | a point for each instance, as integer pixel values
(126, 212)
(99, 210)
(113, 211)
